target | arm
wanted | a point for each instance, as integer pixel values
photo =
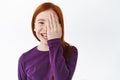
(21, 72)
(72, 61)
(61, 70)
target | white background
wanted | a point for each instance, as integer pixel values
(93, 26)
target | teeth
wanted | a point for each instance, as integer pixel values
(44, 35)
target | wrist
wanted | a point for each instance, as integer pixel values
(54, 42)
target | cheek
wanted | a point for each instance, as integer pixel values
(36, 29)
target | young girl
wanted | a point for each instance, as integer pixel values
(53, 58)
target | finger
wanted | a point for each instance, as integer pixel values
(48, 25)
(50, 20)
(53, 22)
(56, 20)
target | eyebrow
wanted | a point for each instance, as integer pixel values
(41, 20)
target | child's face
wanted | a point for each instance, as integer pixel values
(41, 25)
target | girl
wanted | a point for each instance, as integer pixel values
(53, 58)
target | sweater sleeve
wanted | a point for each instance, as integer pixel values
(21, 72)
(61, 70)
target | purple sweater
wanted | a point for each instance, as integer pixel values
(42, 65)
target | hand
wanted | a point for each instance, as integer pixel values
(54, 29)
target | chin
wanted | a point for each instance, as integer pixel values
(43, 41)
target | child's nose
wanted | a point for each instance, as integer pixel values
(45, 28)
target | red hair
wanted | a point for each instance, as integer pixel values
(46, 6)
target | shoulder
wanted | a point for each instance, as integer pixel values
(73, 55)
(74, 50)
(26, 54)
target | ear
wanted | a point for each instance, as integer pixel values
(34, 29)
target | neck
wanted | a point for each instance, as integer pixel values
(43, 47)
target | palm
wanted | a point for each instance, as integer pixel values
(53, 27)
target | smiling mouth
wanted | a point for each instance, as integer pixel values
(44, 35)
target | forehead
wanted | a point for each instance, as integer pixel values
(44, 15)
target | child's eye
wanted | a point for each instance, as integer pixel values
(41, 22)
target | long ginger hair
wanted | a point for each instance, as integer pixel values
(46, 6)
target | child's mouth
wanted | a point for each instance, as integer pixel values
(44, 35)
